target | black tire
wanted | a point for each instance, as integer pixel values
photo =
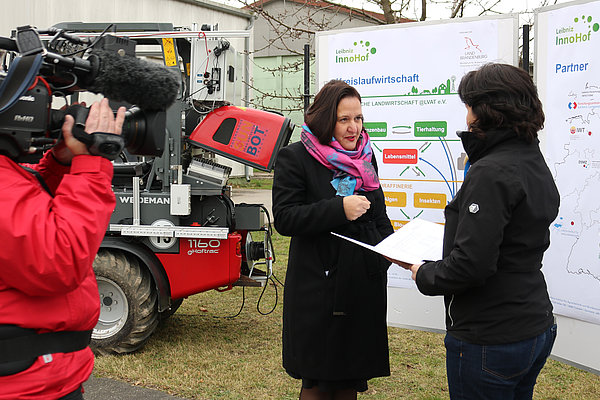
(128, 304)
(175, 304)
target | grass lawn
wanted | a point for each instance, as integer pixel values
(258, 181)
(201, 352)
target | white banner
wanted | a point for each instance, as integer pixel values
(568, 78)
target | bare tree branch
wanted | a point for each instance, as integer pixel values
(457, 7)
(300, 20)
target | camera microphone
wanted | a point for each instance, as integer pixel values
(28, 119)
(148, 85)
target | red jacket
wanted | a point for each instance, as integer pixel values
(46, 278)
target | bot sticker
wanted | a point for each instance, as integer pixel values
(248, 138)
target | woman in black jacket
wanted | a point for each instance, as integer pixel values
(334, 315)
(499, 322)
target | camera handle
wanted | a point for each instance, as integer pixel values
(107, 145)
(20, 77)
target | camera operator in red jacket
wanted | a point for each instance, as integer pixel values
(51, 227)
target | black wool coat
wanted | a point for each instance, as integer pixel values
(334, 312)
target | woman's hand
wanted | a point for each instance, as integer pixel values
(355, 206)
(412, 267)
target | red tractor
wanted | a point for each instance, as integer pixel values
(175, 231)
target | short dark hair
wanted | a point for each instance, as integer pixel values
(321, 116)
(502, 96)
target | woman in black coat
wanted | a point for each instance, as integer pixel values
(334, 315)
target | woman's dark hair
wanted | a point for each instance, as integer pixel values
(321, 116)
(502, 96)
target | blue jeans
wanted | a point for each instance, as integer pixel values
(503, 372)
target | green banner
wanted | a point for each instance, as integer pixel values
(376, 129)
(431, 129)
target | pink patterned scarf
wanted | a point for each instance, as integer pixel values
(353, 169)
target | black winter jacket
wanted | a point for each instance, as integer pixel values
(497, 229)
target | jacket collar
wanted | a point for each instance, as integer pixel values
(478, 146)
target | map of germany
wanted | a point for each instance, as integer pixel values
(572, 263)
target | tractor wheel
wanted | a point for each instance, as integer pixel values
(175, 304)
(128, 309)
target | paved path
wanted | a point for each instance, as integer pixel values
(110, 389)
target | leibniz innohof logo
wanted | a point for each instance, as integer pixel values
(360, 51)
(579, 32)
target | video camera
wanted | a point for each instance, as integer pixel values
(68, 64)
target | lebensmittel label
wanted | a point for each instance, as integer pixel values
(376, 129)
(431, 129)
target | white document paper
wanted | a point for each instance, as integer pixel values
(415, 242)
